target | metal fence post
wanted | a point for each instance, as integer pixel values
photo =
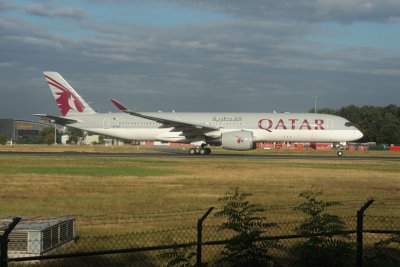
(4, 242)
(200, 236)
(360, 229)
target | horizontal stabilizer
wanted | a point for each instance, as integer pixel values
(56, 119)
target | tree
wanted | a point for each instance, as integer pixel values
(332, 248)
(3, 139)
(378, 124)
(244, 219)
(370, 122)
(351, 112)
(389, 133)
(45, 136)
(75, 135)
(324, 111)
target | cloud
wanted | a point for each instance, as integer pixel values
(342, 11)
(47, 11)
(262, 60)
(4, 5)
(7, 64)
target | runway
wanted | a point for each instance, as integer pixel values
(184, 154)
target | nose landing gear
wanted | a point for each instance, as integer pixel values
(340, 151)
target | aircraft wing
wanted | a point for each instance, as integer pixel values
(56, 119)
(188, 128)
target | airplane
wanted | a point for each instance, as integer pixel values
(234, 131)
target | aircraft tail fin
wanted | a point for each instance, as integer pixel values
(69, 102)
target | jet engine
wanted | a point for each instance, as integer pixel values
(238, 140)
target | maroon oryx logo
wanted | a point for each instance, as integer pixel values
(67, 100)
(239, 139)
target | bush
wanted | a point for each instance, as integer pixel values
(331, 249)
(179, 257)
(386, 252)
(244, 220)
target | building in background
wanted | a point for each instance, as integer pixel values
(20, 130)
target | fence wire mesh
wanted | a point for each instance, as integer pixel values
(177, 247)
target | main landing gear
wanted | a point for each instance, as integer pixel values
(201, 150)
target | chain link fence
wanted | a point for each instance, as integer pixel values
(181, 246)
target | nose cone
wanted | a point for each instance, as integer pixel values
(358, 134)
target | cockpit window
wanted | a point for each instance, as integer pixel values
(348, 124)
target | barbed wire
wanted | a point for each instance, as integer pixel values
(195, 214)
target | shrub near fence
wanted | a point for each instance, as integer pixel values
(179, 247)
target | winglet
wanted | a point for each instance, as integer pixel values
(119, 105)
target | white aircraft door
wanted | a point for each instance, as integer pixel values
(329, 124)
(106, 123)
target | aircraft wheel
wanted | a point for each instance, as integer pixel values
(193, 151)
(208, 151)
(202, 151)
(340, 153)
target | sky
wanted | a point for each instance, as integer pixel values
(200, 55)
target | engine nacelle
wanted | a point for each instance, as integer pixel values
(238, 140)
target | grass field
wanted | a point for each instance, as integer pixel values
(149, 187)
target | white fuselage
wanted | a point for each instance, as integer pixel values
(266, 127)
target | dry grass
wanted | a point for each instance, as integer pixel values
(146, 192)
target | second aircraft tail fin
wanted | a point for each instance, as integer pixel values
(69, 102)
